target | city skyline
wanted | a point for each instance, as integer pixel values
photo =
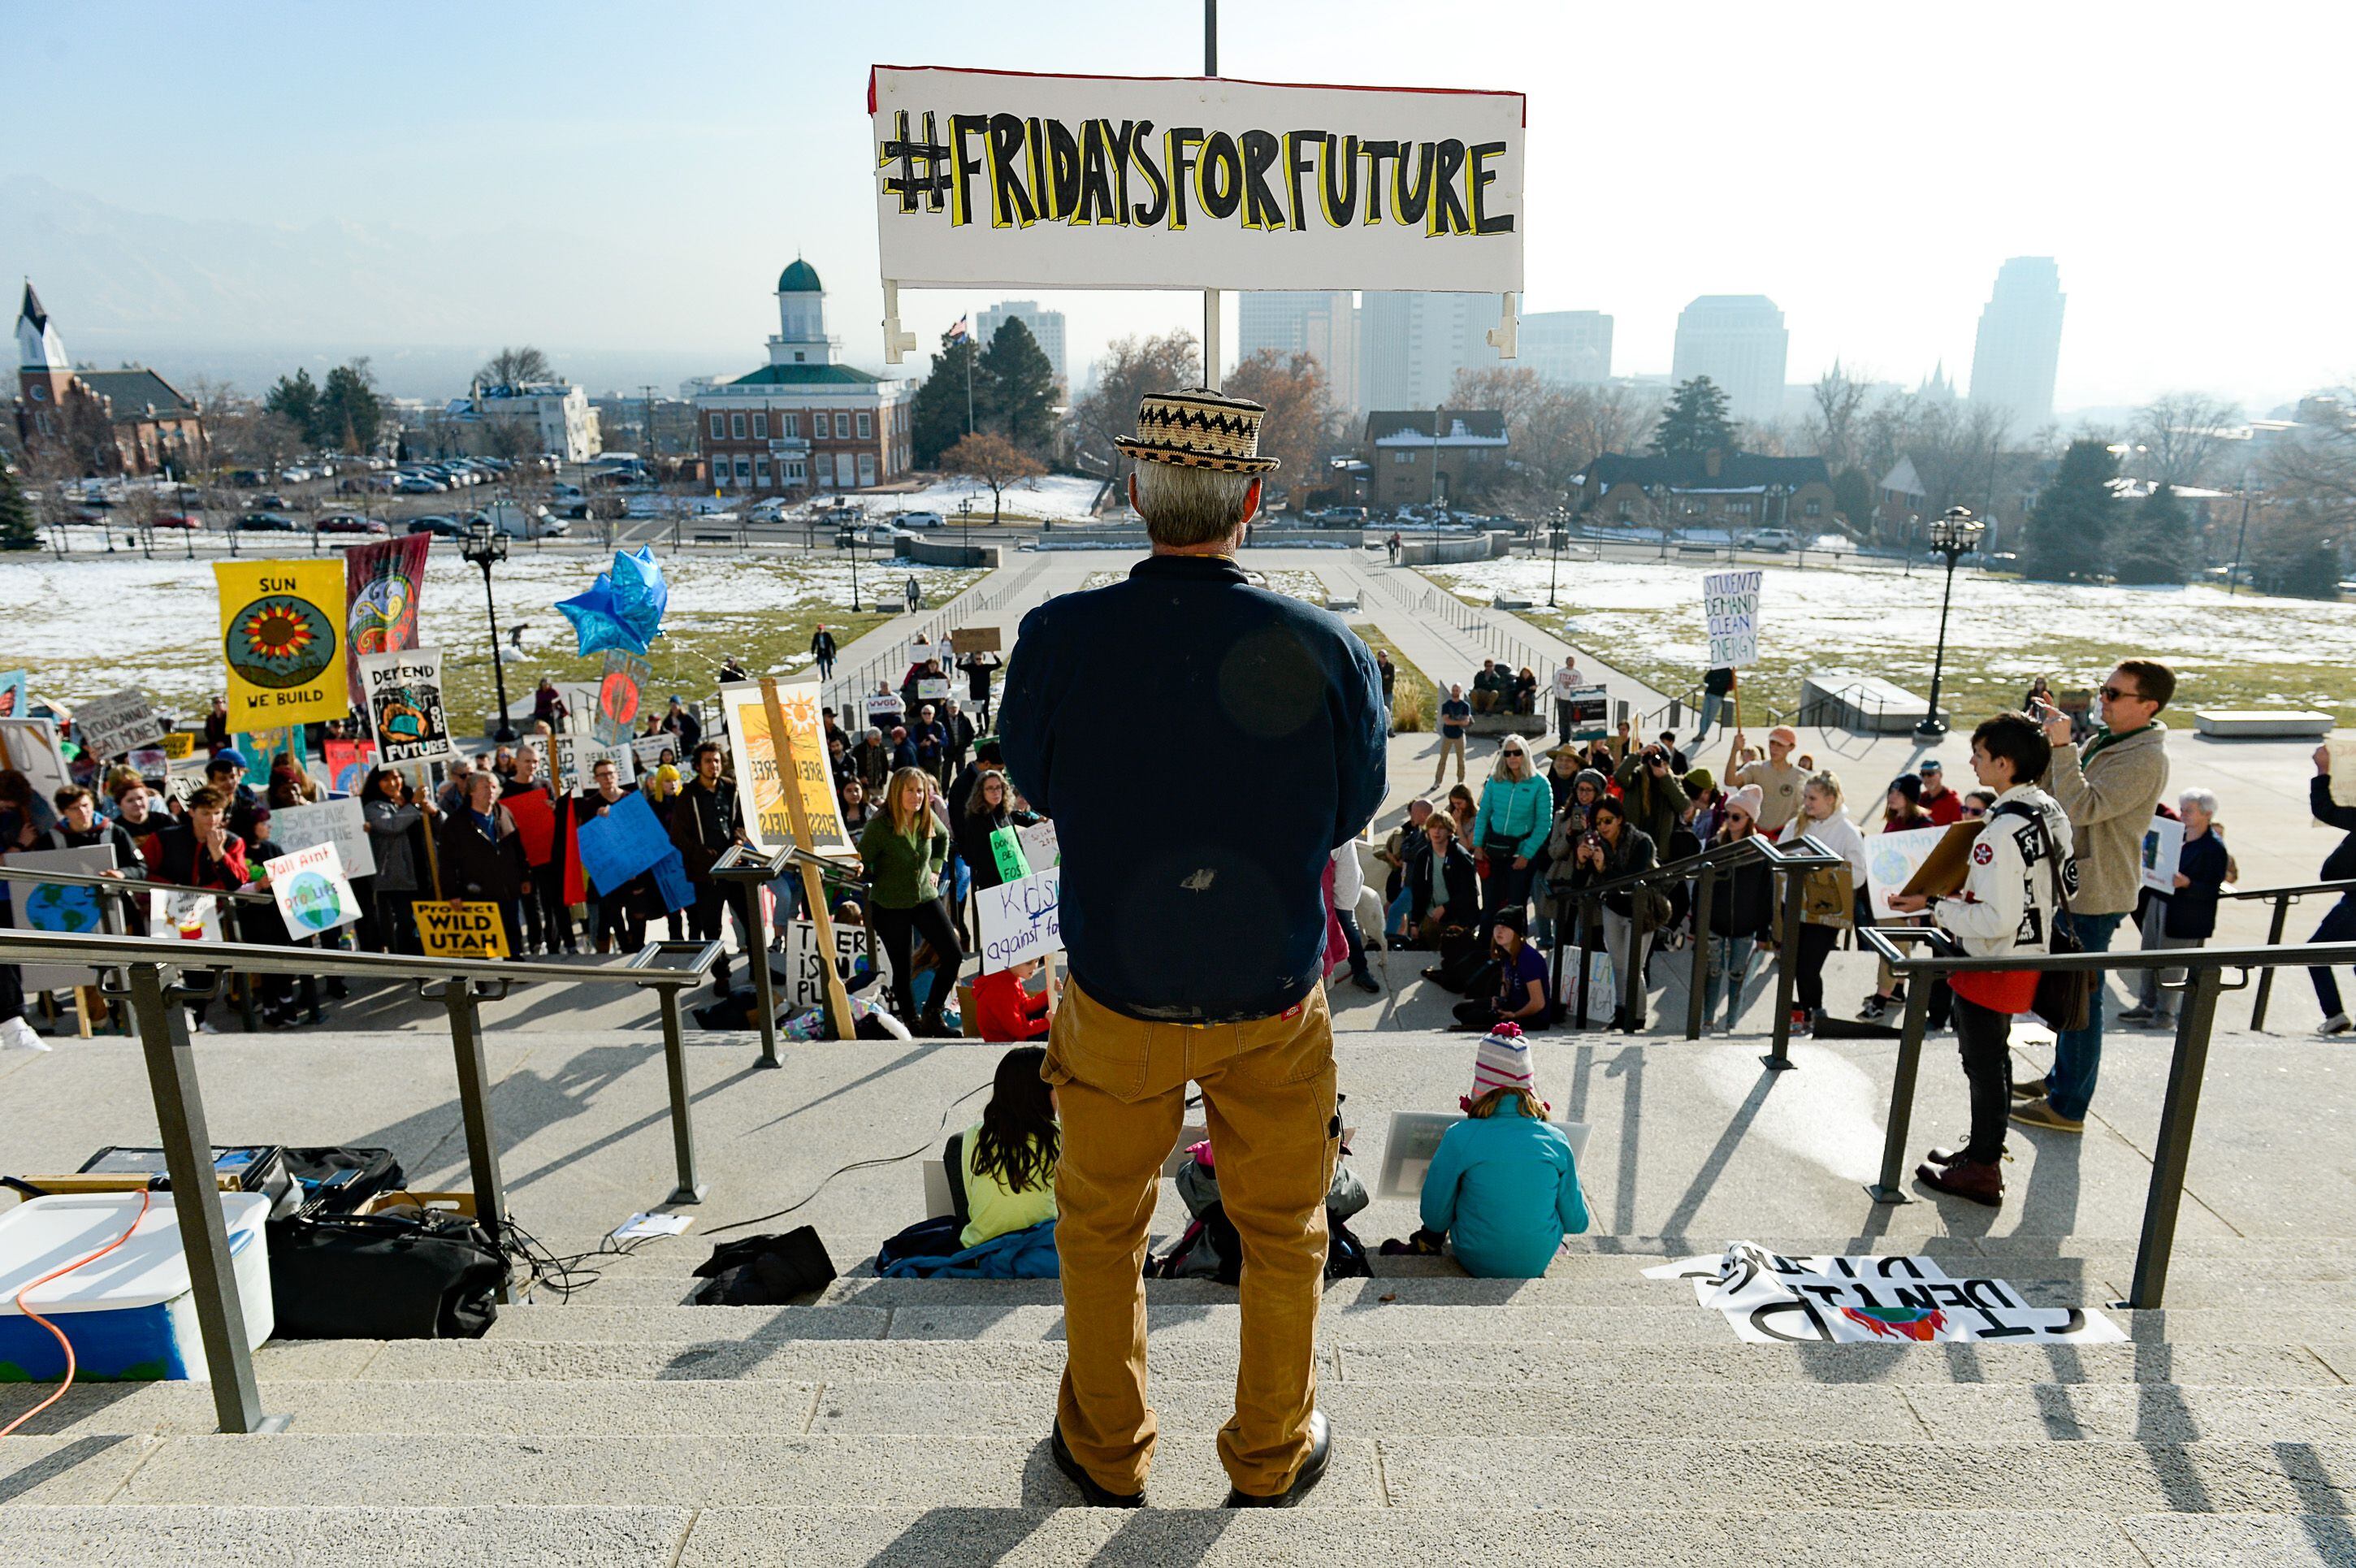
(609, 214)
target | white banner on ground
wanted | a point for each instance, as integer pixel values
(110, 726)
(1170, 182)
(1021, 921)
(2163, 849)
(337, 820)
(1730, 605)
(1900, 1299)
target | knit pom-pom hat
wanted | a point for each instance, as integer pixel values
(1501, 1061)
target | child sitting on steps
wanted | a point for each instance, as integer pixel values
(1003, 1168)
(1502, 1185)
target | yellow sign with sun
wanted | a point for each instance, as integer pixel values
(282, 642)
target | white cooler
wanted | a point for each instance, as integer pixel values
(131, 1315)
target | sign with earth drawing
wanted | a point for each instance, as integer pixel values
(72, 907)
(282, 628)
(311, 890)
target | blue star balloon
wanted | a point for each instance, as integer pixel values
(624, 608)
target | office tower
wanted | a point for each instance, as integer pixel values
(2019, 342)
(1738, 340)
(1046, 326)
(1322, 326)
(1410, 346)
(1572, 347)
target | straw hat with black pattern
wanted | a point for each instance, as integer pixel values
(1199, 428)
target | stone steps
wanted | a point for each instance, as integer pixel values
(715, 1470)
(1669, 1323)
(1572, 1406)
(669, 1535)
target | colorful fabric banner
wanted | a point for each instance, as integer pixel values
(283, 642)
(382, 585)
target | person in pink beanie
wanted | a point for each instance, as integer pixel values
(1503, 1187)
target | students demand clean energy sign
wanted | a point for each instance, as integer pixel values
(1133, 182)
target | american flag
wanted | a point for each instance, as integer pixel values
(961, 331)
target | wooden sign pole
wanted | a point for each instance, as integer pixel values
(790, 783)
(426, 821)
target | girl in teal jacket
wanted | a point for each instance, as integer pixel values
(1503, 1185)
(1510, 829)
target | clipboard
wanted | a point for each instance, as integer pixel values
(1415, 1137)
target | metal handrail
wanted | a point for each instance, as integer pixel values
(2204, 979)
(2283, 897)
(147, 973)
(126, 884)
(1803, 855)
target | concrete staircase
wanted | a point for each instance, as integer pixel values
(1590, 1415)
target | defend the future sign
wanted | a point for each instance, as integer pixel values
(1145, 182)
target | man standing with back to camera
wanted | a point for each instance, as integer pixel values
(1196, 939)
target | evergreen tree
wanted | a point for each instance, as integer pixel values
(2159, 546)
(937, 415)
(1694, 422)
(2069, 529)
(349, 413)
(296, 400)
(1023, 386)
(1853, 500)
(19, 530)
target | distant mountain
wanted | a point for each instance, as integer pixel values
(246, 300)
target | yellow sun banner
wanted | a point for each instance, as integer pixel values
(282, 642)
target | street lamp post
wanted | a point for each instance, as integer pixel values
(1956, 534)
(2233, 578)
(1557, 525)
(485, 545)
(965, 512)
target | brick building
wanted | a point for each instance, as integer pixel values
(802, 425)
(1709, 490)
(130, 421)
(1403, 448)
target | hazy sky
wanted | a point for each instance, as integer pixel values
(605, 177)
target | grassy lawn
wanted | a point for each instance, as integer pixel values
(1414, 699)
(2229, 651)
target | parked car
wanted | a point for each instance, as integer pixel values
(438, 526)
(266, 523)
(294, 475)
(175, 519)
(1346, 516)
(271, 500)
(346, 522)
(1779, 541)
(919, 520)
(423, 485)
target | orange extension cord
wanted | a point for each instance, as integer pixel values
(146, 1198)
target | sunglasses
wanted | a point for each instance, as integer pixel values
(2113, 694)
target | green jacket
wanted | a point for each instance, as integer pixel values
(901, 873)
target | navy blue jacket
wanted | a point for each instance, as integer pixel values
(1133, 716)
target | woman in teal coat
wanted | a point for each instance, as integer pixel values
(1510, 829)
(1503, 1187)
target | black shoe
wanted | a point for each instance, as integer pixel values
(1311, 1471)
(1095, 1495)
(1367, 983)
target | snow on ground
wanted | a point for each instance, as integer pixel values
(2227, 649)
(1064, 497)
(86, 627)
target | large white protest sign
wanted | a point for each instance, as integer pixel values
(1730, 605)
(30, 746)
(338, 821)
(110, 726)
(768, 820)
(402, 695)
(805, 978)
(311, 890)
(1170, 182)
(576, 754)
(2163, 848)
(1591, 711)
(1021, 921)
(882, 711)
(1769, 1299)
(648, 750)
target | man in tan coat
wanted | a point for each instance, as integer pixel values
(2109, 787)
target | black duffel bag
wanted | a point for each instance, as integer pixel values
(418, 1274)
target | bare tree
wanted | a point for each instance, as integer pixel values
(514, 367)
(2183, 436)
(1298, 427)
(1131, 367)
(995, 461)
(1837, 405)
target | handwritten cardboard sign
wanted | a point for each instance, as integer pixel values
(1021, 921)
